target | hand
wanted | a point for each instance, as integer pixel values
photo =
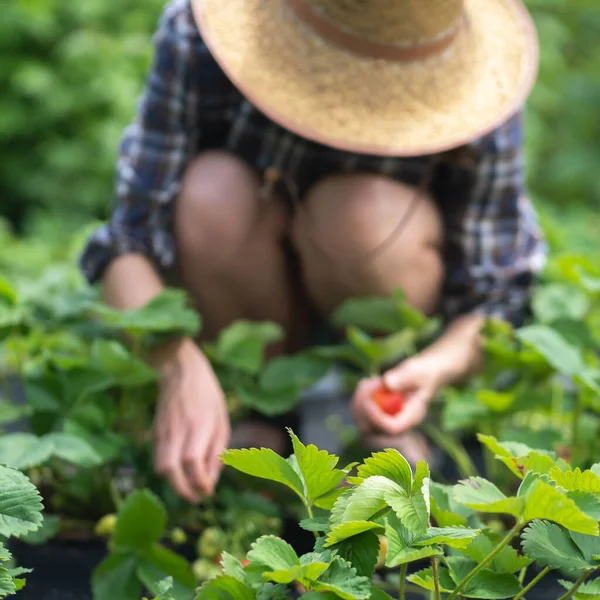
(418, 379)
(192, 425)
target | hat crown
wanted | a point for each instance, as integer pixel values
(394, 22)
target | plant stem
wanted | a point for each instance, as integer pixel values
(436, 580)
(576, 418)
(453, 448)
(532, 583)
(403, 581)
(309, 510)
(486, 561)
(576, 585)
(522, 575)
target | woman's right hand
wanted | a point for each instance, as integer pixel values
(192, 425)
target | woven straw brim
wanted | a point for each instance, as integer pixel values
(326, 94)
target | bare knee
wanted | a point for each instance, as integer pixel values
(218, 209)
(367, 235)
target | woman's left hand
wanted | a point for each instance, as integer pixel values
(418, 379)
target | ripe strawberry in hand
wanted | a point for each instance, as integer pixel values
(388, 401)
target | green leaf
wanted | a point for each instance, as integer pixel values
(157, 562)
(141, 521)
(365, 500)
(588, 591)
(311, 567)
(553, 347)
(265, 464)
(401, 548)
(361, 551)
(374, 314)
(498, 402)
(316, 524)
(486, 584)
(349, 529)
(243, 344)
(7, 583)
(9, 412)
(48, 529)
(166, 313)
(274, 553)
(507, 561)
(25, 450)
(232, 566)
(455, 537)
(444, 509)
(589, 545)
(546, 502)
(551, 546)
(20, 504)
(115, 577)
(483, 496)
(292, 372)
(317, 468)
(414, 511)
(113, 359)
(327, 501)
(269, 403)
(424, 579)
(389, 463)
(576, 480)
(342, 579)
(225, 588)
(559, 301)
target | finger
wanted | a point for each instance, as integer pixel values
(195, 457)
(168, 463)
(411, 445)
(413, 414)
(399, 378)
(220, 443)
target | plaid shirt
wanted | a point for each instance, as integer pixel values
(494, 248)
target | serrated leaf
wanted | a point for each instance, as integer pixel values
(455, 537)
(507, 561)
(7, 583)
(576, 480)
(115, 577)
(551, 546)
(243, 344)
(486, 584)
(232, 566)
(349, 529)
(371, 314)
(265, 464)
(400, 544)
(20, 504)
(413, 510)
(589, 545)
(311, 568)
(444, 509)
(424, 579)
(327, 501)
(316, 524)
(588, 591)
(361, 551)
(274, 553)
(141, 521)
(364, 501)
(389, 463)
(342, 579)
(268, 403)
(483, 496)
(47, 530)
(546, 502)
(225, 588)
(317, 468)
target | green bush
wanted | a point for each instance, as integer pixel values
(72, 72)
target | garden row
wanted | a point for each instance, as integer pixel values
(77, 413)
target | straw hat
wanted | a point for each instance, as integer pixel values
(384, 77)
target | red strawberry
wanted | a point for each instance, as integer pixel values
(388, 401)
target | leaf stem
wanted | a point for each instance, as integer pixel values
(436, 580)
(532, 583)
(453, 448)
(486, 561)
(403, 581)
(309, 510)
(576, 585)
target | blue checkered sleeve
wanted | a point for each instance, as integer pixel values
(153, 151)
(496, 240)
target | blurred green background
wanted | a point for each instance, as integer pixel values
(72, 72)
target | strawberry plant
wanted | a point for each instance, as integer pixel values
(554, 526)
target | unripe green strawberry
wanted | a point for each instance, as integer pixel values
(211, 543)
(178, 536)
(105, 526)
(205, 569)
